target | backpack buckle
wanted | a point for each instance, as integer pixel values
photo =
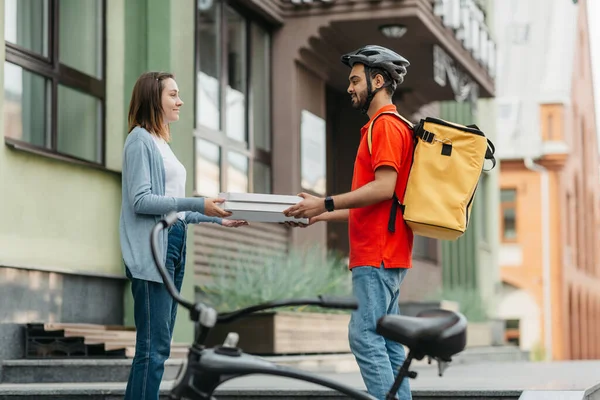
(427, 136)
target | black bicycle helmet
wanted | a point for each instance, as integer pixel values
(373, 56)
(379, 57)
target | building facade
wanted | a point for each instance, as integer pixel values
(265, 110)
(62, 133)
(549, 180)
(452, 57)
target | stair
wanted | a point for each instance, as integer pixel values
(53, 371)
(72, 340)
(96, 391)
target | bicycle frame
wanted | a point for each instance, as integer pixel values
(206, 369)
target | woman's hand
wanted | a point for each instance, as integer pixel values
(211, 208)
(294, 224)
(233, 223)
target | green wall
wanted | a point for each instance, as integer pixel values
(60, 216)
(160, 37)
(64, 217)
(470, 266)
(459, 257)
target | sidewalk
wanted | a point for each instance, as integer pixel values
(501, 377)
(501, 380)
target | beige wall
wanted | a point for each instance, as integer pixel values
(581, 184)
(574, 194)
(521, 261)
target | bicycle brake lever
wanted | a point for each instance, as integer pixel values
(206, 316)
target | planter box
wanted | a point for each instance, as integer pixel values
(479, 334)
(287, 333)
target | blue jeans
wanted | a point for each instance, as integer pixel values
(154, 314)
(377, 291)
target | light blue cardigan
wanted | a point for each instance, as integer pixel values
(143, 204)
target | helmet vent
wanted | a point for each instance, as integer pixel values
(369, 53)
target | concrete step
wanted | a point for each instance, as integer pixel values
(490, 353)
(573, 380)
(73, 370)
(116, 391)
(117, 370)
(342, 363)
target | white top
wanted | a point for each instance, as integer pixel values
(175, 173)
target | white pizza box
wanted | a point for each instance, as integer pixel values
(258, 207)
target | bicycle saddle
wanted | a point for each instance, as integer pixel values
(435, 333)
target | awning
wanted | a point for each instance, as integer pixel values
(449, 47)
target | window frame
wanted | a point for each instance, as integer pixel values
(484, 223)
(55, 73)
(504, 205)
(219, 137)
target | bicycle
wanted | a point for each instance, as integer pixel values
(435, 334)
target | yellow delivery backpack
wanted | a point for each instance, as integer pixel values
(447, 163)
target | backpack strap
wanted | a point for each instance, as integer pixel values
(489, 152)
(370, 131)
(396, 201)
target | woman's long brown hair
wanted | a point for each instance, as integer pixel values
(145, 107)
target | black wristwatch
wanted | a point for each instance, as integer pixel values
(329, 206)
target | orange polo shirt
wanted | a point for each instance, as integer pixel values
(370, 241)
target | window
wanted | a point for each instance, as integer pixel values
(425, 249)
(508, 205)
(233, 113)
(54, 84)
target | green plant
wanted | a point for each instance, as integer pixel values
(469, 300)
(537, 353)
(259, 277)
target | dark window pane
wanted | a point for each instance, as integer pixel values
(208, 171)
(79, 124)
(80, 34)
(262, 178)
(260, 80)
(26, 106)
(26, 24)
(236, 76)
(208, 92)
(510, 231)
(425, 248)
(237, 173)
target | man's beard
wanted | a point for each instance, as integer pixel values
(358, 100)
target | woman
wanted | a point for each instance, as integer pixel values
(153, 184)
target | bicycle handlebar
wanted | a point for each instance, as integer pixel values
(346, 303)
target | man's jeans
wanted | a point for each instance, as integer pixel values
(154, 313)
(377, 291)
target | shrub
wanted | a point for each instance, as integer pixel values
(301, 273)
(471, 304)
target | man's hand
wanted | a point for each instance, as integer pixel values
(310, 207)
(211, 208)
(233, 223)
